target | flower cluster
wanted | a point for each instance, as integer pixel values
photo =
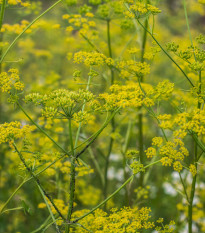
(192, 55)
(124, 220)
(62, 103)
(172, 152)
(77, 22)
(152, 52)
(92, 59)
(16, 2)
(132, 68)
(137, 167)
(10, 80)
(139, 9)
(12, 131)
(110, 10)
(184, 123)
(132, 154)
(123, 96)
(16, 28)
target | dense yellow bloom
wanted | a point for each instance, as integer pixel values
(92, 59)
(130, 68)
(157, 141)
(62, 103)
(137, 167)
(139, 9)
(123, 96)
(16, 2)
(185, 122)
(150, 152)
(9, 80)
(13, 131)
(132, 154)
(125, 220)
(192, 169)
(177, 166)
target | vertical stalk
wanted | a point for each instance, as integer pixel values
(110, 50)
(113, 120)
(124, 150)
(3, 6)
(73, 159)
(83, 108)
(25, 29)
(140, 117)
(72, 178)
(193, 186)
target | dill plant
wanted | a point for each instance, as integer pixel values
(91, 98)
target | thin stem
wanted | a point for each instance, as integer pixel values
(140, 116)
(184, 187)
(72, 179)
(44, 224)
(17, 208)
(94, 136)
(193, 187)
(97, 134)
(3, 6)
(124, 150)
(43, 131)
(113, 194)
(153, 37)
(49, 209)
(36, 19)
(37, 180)
(97, 166)
(107, 199)
(166, 53)
(110, 50)
(83, 108)
(187, 21)
(6, 203)
(113, 120)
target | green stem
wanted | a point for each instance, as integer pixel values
(107, 199)
(97, 166)
(17, 208)
(167, 54)
(36, 19)
(113, 120)
(113, 194)
(187, 22)
(83, 108)
(97, 134)
(94, 136)
(49, 208)
(37, 180)
(153, 37)
(43, 131)
(184, 187)
(72, 179)
(124, 150)
(110, 50)
(6, 203)
(193, 187)
(3, 6)
(44, 224)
